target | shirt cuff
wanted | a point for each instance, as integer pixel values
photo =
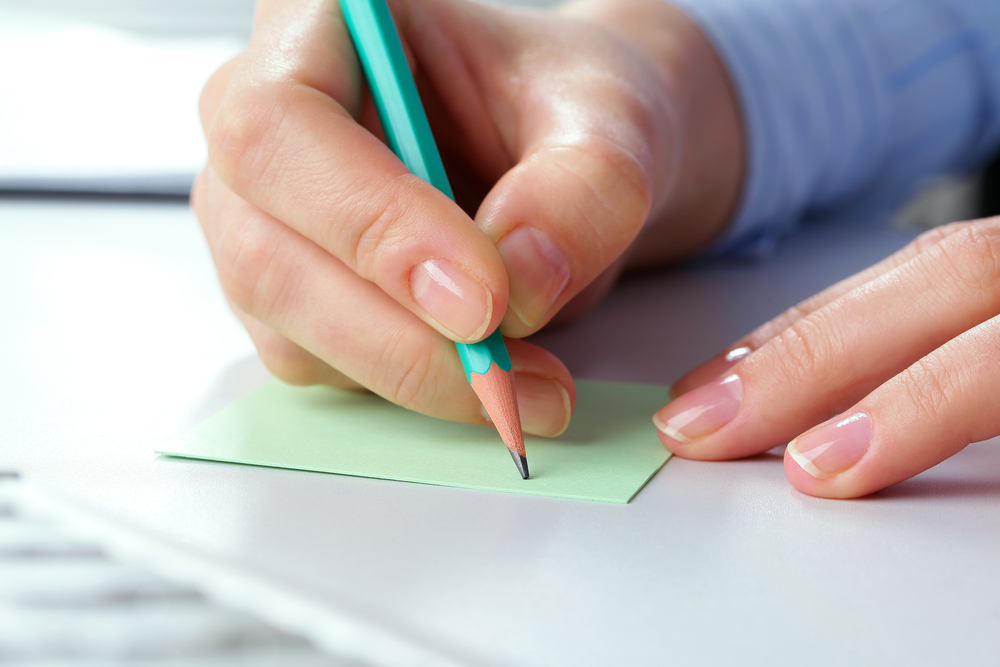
(778, 55)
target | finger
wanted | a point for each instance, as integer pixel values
(587, 299)
(284, 139)
(214, 90)
(290, 362)
(585, 180)
(281, 279)
(559, 219)
(546, 395)
(831, 358)
(291, 286)
(286, 360)
(743, 347)
(914, 421)
(575, 180)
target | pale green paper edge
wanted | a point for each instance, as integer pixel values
(652, 395)
(472, 487)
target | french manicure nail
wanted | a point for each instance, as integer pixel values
(543, 403)
(538, 272)
(733, 356)
(714, 367)
(702, 411)
(833, 448)
(460, 303)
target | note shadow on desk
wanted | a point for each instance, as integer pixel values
(608, 453)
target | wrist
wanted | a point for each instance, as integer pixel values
(709, 146)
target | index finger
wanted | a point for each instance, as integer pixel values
(284, 139)
(757, 338)
(825, 362)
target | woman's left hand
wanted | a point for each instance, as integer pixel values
(871, 382)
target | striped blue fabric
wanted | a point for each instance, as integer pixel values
(850, 104)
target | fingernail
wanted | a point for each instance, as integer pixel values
(733, 356)
(833, 448)
(729, 359)
(712, 369)
(701, 411)
(543, 404)
(538, 272)
(460, 303)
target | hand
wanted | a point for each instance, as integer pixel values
(562, 134)
(873, 380)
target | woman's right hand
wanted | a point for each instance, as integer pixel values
(563, 133)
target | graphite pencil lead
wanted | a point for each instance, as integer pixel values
(496, 390)
(520, 462)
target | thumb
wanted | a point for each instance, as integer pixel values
(594, 151)
(558, 220)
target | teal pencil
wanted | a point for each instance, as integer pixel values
(487, 364)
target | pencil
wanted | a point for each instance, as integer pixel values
(487, 364)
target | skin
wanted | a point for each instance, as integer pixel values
(928, 389)
(610, 128)
(319, 234)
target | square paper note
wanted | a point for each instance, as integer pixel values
(608, 453)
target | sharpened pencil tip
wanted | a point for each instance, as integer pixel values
(521, 463)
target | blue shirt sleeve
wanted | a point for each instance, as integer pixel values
(849, 104)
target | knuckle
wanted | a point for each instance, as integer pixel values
(762, 334)
(243, 134)
(214, 89)
(256, 272)
(615, 185)
(413, 387)
(403, 377)
(928, 388)
(382, 224)
(934, 236)
(239, 261)
(803, 352)
(623, 173)
(972, 255)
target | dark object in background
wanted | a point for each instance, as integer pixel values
(67, 600)
(989, 190)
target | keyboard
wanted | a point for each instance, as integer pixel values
(67, 599)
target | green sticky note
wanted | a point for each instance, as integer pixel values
(608, 453)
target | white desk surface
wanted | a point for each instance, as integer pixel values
(114, 335)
